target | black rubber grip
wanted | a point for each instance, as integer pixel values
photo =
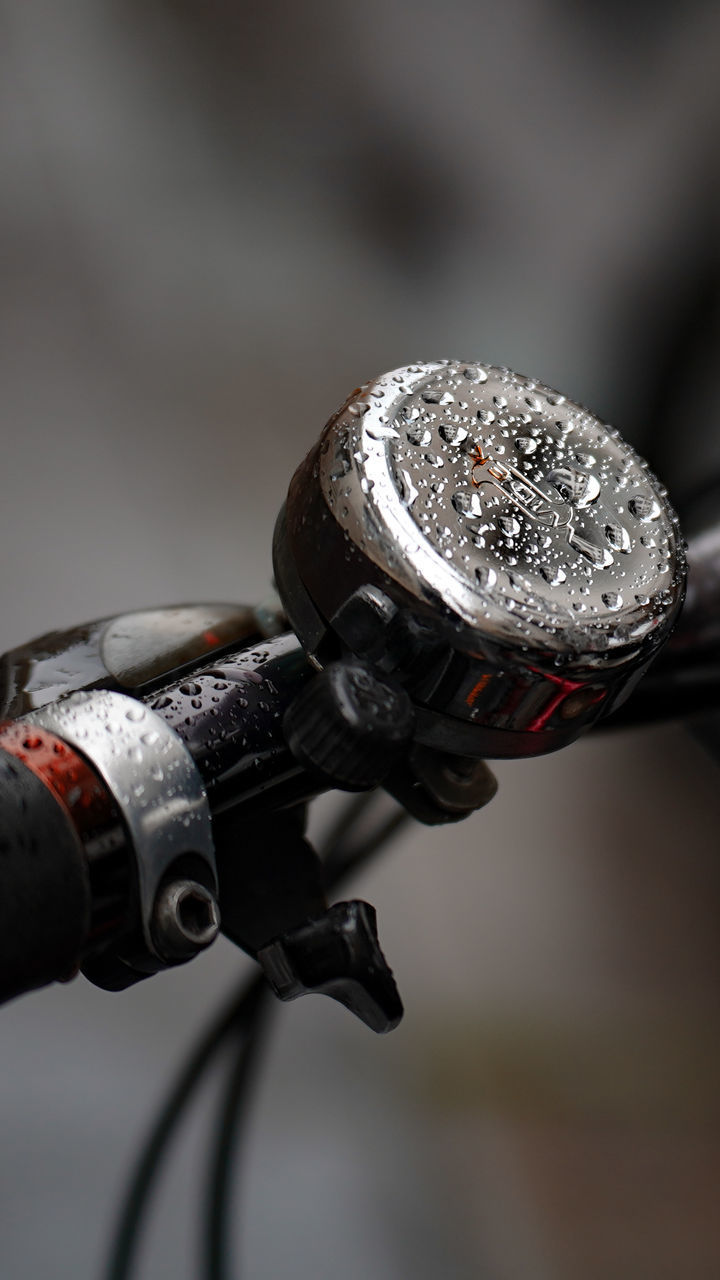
(44, 887)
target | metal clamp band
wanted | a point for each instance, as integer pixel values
(151, 775)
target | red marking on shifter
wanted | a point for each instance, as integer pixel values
(63, 771)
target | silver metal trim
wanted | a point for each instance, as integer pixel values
(150, 774)
(384, 454)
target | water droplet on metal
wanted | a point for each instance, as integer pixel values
(409, 492)
(644, 506)
(419, 434)
(617, 536)
(553, 574)
(380, 432)
(435, 395)
(474, 373)
(452, 432)
(467, 503)
(612, 600)
(486, 577)
(575, 486)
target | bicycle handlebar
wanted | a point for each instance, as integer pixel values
(472, 566)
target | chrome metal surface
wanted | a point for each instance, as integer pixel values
(529, 517)
(491, 543)
(152, 777)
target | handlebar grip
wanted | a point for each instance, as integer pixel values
(45, 905)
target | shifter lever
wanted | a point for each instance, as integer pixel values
(339, 955)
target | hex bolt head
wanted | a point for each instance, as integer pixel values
(186, 919)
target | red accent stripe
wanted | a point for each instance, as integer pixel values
(63, 771)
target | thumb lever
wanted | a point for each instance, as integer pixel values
(339, 955)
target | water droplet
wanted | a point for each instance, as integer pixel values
(575, 486)
(135, 713)
(644, 506)
(419, 434)
(617, 536)
(553, 574)
(486, 415)
(612, 600)
(598, 556)
(453, 432)
(379, 432)
(486, 577)
(358, 408)
(467, 504)
(191, 689)
(525, 444)
(585, 459)
(510, 526)
(436, 396)
(475, 374)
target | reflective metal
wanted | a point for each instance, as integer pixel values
(509, 518)
(150, 774)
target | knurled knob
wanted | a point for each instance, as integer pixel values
(349, 725)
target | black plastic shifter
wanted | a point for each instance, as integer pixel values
(337, 955)
(271, 886)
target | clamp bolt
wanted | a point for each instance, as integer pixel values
(186, 919)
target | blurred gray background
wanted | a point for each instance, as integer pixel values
(216, 219)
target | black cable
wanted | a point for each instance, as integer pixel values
(242, 1014)
(340, 860)
(233, 1017)
(224, 1148)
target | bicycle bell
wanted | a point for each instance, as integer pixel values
(488, 544)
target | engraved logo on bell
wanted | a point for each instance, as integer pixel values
(574, 492)
(526, 496)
